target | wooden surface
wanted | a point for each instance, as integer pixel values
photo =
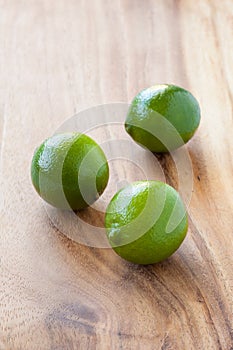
(57, 58)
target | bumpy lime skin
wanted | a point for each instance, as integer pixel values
(174, 103)
(156, 244)
(55, 170)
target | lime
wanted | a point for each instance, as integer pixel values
(163, 117)
(69, 171)
(146, 222)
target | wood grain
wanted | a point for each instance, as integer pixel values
(57, 58)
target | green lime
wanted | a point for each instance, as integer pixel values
(163, 117)
(146, 222)
(69, 171)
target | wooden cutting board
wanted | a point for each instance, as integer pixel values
(56, 59)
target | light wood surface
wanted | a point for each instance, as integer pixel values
(57, 58)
